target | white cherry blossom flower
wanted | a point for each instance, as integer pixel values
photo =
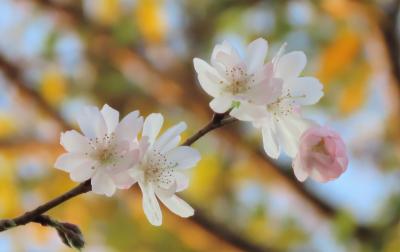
(233, 80)
(160, 172)
(281, 122)
(105, 152)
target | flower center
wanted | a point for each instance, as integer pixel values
(104, 150)
(239, 80)
(157, 169)
(283, 106)
(320, 147)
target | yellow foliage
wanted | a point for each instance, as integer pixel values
(9, 194)
(108, 11)
(204, 179)
(53, 86)
(337, 8)
(7, 126)
(151, 21)
(354, 94)
(335, 57)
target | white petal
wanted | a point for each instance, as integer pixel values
(152, 126)
(289, 129)
(226, 49)
(92, 123)
(169, 135)
(221, 104)
(103, 184)
(171, 144)
(129, 127)
(308, 90)
(83, 172)
(270, 141)
(69, 161)
(249, 112)
(150, 205)
(123, 180)
(185, 156)
(256, 53)
(73, 141)
(182, 181)
(177, 206)
(291, 65)
(264, 93)
(111, 117)
(209, 77)
(299, 171)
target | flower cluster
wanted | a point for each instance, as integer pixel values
(111, 155)
(270, 96)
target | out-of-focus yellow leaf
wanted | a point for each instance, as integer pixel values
(9, 195)
(7, 125)
(204, 179)
(151, 20)
(337, 8)
(354, 95)
(336, 56)
(108, 11)
(53, 87)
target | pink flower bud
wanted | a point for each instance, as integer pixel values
(322, 155)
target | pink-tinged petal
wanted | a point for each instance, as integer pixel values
(103, 184)
(92, 123)
(152, 126)
(305, 90)
(184, 156)
(249, 112)
(265, 92)
(255, 55)
(72, 141)
(129, 127)
(177, 206)
(150, 204)
(291, 65)
(221, 104)
(224, 48)
(318, 151)
(111, 117)
(270, 141)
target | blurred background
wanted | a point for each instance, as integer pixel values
(59, 55)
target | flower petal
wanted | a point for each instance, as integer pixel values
(221, 104)
(289, 130)
(111, 117)
(209, 78)
(150, 205)
(270, 141)
(92, 123)
(73, 141)
(123, 180)
(83, 172)
(255, 55)
(103, 184)
(152, 126)
(182, 181)
(177, 206)
(129, 127)
(306, 90)
(185, 157)
(69, 161)
(291, 65)
(169, 135)
(299, 170)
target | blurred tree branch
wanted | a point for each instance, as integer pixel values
(79, 17)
